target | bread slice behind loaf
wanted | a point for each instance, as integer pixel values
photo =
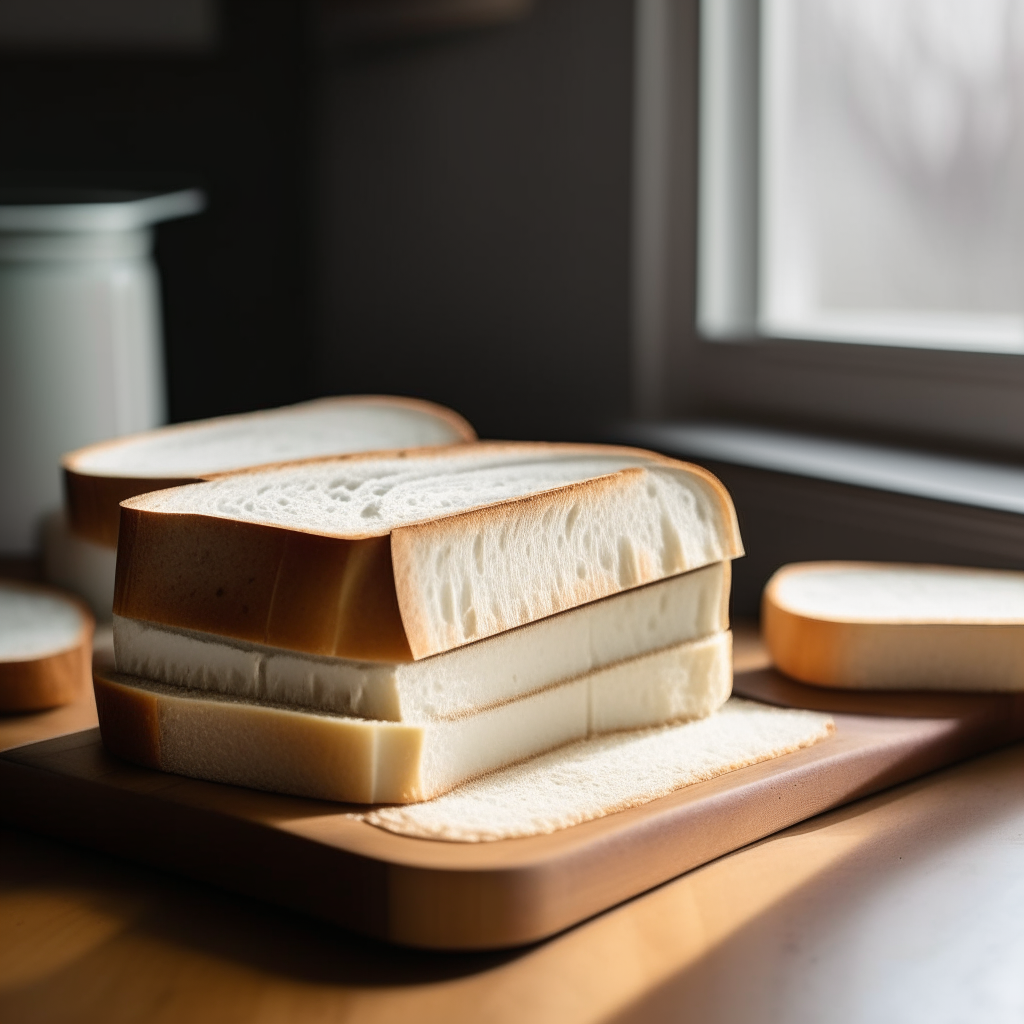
(100, 476)
(45, 647)
(401, 557)
(877, 626)
(354, 760)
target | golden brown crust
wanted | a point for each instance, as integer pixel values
(129, 721)
(55, 679)
(45, 682)
(265, 584)
(723, 608)
(803, 648)
(92, 499)
(834, 650)
(92, 502)
(458, 423)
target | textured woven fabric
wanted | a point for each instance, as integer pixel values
(600, 776)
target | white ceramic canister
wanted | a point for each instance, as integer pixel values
(81, 353)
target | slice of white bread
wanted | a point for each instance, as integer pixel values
(400, 557)
(601, 775)
(877, 626)
(357, 760)
(459, 682)
(100, 476)
(45, 647)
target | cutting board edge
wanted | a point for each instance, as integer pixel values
(489, 908)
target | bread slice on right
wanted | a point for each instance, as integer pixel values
(45, 647)
(403, 556)
(356, 760)
(883, 626)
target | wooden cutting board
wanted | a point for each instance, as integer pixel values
(310, 856)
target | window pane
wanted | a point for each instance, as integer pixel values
(892, 172)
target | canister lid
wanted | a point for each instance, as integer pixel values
(72, 210)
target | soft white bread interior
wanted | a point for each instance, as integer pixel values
(459, 682)
(101, 475)
(876, 626)
(400, 557)
(314, 754)
(45, 647)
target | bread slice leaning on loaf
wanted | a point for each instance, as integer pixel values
(45, 647)
(403, 556)
(356, 760)
(878, 626)
(98, 477)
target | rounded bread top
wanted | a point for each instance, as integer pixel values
(877, 592)
(323, 427)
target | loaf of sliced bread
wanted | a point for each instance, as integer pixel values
(460, 682)
(326, 756)
(45, 647)
(876, 626)
(401, 557)
(101, 475)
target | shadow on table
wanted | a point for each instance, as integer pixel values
(106, 901)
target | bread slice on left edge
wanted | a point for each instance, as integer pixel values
(45, 647)
(353, 760)
(403, 556)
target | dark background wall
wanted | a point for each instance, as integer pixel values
(446, 216)
(230, 120)
(474, 240)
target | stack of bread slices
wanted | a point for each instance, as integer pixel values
(380, 628)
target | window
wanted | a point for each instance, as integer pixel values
(847, 172)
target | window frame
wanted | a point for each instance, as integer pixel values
(941, 397)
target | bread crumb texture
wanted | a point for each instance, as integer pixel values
(596, 777)
(558, 550)
(370, 496)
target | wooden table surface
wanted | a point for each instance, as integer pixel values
(903, 907)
